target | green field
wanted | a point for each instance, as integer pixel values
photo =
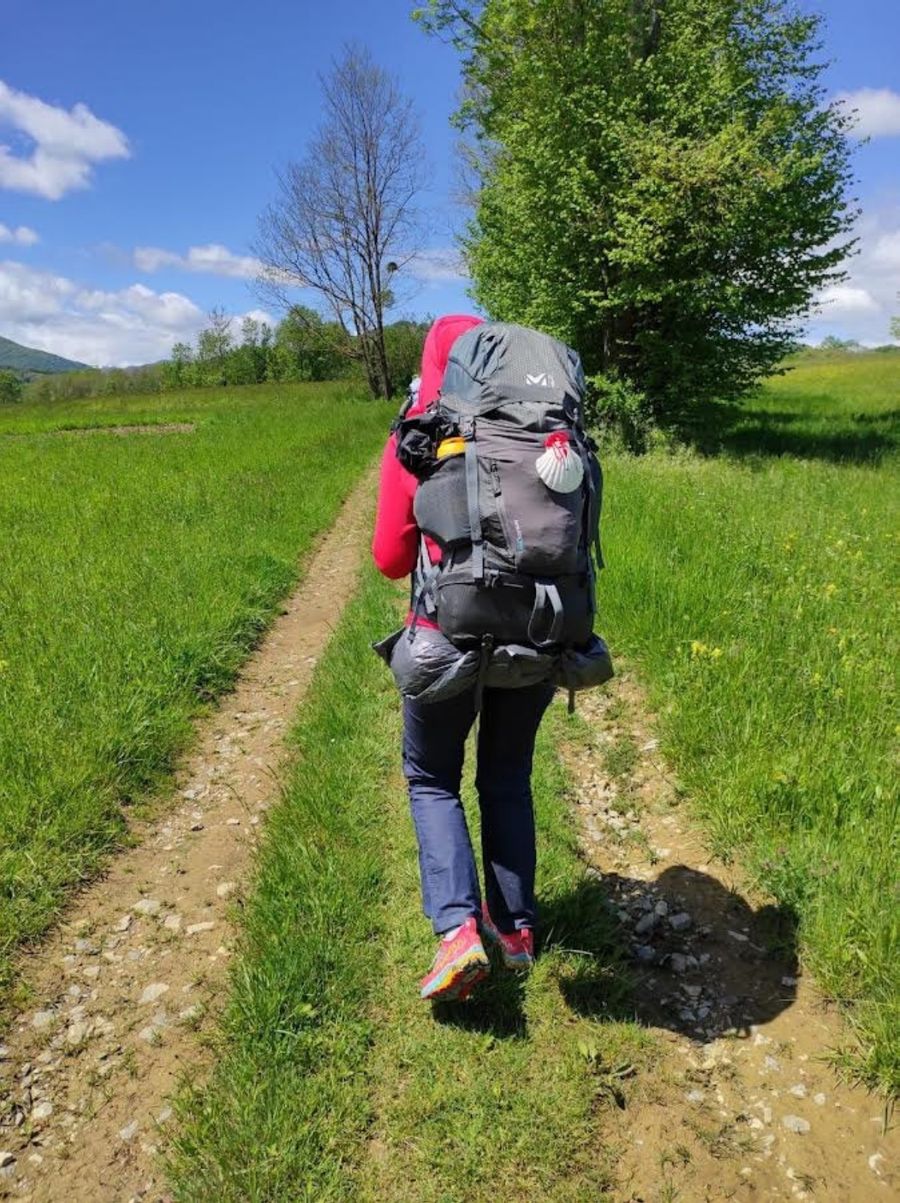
(751, 582)
(753, 589)
(757, 591)
(135, 574)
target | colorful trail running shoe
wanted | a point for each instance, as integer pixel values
(516, 950)
(459, 965)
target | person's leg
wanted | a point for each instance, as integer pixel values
(434, 737)
(508, 726)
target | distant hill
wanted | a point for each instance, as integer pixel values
(30, 362)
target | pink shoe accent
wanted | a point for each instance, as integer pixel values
(516, 950)
(459, 964)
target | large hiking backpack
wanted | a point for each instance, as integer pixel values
(510, 489)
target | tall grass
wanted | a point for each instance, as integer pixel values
(135, 574)
(757, 591)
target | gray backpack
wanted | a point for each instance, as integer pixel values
(510, 489)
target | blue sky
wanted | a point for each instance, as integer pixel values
(137, 146)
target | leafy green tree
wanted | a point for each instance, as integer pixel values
(309, 348)
(178, 371)
(10, 387)
(213, 344)
(404, 341)
(832, 343)
(660, 182)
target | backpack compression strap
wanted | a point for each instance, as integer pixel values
(592, 512)
(423, 582)
(475, 530)
(546, 594)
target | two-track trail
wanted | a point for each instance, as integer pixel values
(120, 994)
(729, 1096)
(741, 1103)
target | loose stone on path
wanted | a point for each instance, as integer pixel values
(152, 992)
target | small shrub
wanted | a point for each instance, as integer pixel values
(10, 388)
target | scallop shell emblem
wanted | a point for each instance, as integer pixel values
(559, 466)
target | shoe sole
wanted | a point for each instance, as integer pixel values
(458, 980)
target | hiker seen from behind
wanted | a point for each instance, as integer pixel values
(490, 498)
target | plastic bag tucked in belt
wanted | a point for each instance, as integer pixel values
(584, 668)
(428, 667)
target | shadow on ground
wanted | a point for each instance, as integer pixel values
(681, 952)
(741, 430)
(497, 1008)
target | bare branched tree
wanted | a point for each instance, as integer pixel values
(345, 221)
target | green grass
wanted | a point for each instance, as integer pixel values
(757, 591)
(840, 408)
(333, 1081)
(135, 575)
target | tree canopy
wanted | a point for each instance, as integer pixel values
(662, 183)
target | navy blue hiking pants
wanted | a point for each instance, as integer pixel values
(434, 738)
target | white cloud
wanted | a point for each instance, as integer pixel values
(861, 307)
(126, 326)
(60, 145)
(21, 235)
(212, 259)
(886, 252)
(877, 111)
(439, 265)
(29, 295)
(840, 299)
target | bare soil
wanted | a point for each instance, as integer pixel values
(742, 1103)
(121, 431)
(122, 992)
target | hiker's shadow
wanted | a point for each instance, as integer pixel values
(497, 1008)
(680, 951)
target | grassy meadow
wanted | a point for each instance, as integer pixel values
(752, 589)
(754, 583)
(135, 574)
(751, 581)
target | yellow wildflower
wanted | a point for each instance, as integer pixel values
(701, 651)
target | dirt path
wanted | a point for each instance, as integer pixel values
(741, 1104)
(122, 992)
(120, 431)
